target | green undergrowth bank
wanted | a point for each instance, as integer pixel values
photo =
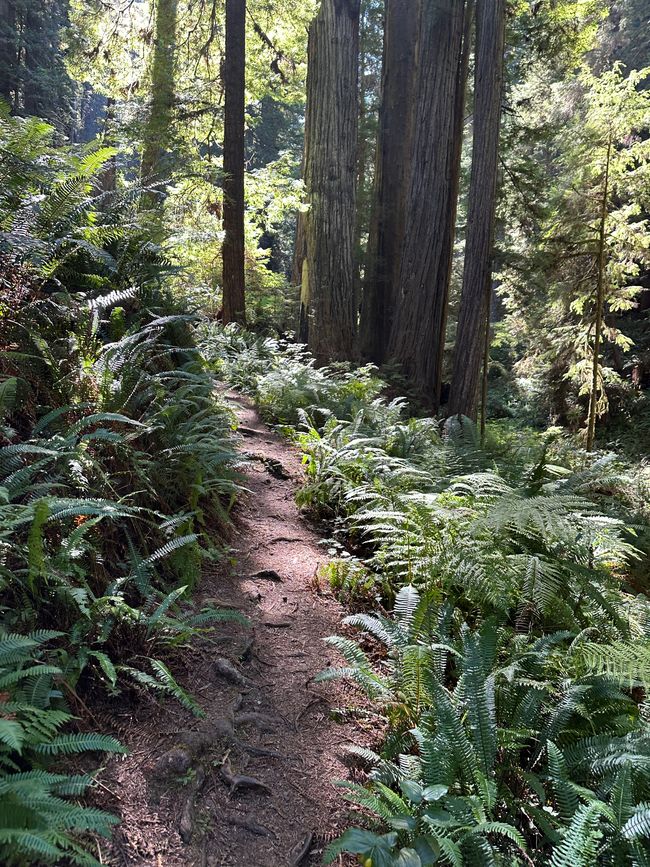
(116, 478)
(498, 631)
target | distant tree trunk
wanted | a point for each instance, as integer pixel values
(109, 175)
(299, 277)
(8, 54)
(472, 332)
(600, 305)
(328, 286)
(422, 288)
(362, 155)
(234, 303)
(157, 131)
(391, 175)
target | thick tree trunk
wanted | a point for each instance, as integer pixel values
(417, 336)
(328, 286)
(234, 305)
(391, 173)
(477, 276)
(157, 133)
(459, 109)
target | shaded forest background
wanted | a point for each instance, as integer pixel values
(151, 80)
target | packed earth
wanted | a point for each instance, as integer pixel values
(256, 777)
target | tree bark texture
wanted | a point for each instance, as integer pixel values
(422, 288)
(234, 304)
(477, 274)
(391, 174)
(328, 286)
(298, 277)
(362, 155)
(157, 133)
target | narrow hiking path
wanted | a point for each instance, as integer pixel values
(252, 783)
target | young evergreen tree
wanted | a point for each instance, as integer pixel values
(328, 278)
(608, 157)
(573, 276)
(234, 301)
(473, 325)
(422, 286)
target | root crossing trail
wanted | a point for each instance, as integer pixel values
(252, 783)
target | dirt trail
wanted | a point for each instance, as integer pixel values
(252, 783)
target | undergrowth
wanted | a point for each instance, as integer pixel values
(513, 668)
(115, 462)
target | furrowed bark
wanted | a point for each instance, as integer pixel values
(417, 335)
(391, 175)
(477, 275)
(234, 302)
(328, 280)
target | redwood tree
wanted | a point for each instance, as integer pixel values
(328, 278)
(472, 332)
(234, 304)
(422, 286)
(391, 172)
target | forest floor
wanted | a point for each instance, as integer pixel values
(253, 783)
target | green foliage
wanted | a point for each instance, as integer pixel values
(116, 479)
(576, 156)
(473, 768)
(40, 817)
(504, 671)
(284, 377)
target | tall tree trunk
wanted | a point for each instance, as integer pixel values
(157, 133)
(600, 304)
(328, 287)
(417, 335)
(450, 240)
(234, 304)
(33, 62)
(391, 174)
(477, 274)
(299, 276)
(109, 175)
(362, 155)
(299, 273)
